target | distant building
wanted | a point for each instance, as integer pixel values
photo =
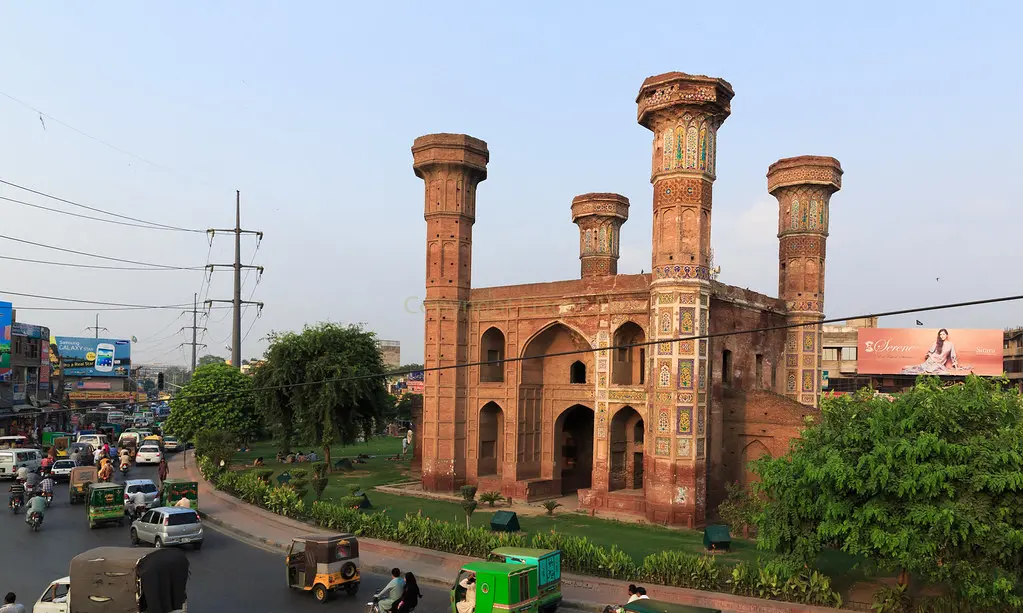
(391, 352)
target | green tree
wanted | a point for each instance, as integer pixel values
(928, 484)
(210, 359)
(411, 367)
(324, 385)
(217, 398)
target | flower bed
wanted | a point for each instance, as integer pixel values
(773, 579)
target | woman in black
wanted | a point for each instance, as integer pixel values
(410, 597)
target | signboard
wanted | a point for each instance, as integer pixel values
(416, 387)
(924, 351)
(93, 385)
(416, 375)
(30, 330)
(6, 316)
(101, 395)
(94, 357)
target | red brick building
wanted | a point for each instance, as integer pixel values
(655, 429)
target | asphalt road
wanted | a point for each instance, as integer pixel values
(226, 575)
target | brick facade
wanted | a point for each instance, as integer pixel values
(592, 403)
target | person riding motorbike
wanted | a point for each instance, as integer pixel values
(125, 461)
(36, 506)
(391, 594)
(17, 492)
(23, 473)
(46, 487)
(106, 472)
(135, 505)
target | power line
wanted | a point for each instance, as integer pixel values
(113, 221)
(396, 373)
(98, 210)
(93, 255)
(138, 308)
(99, 302)
(92, 266)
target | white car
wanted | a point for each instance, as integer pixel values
(61, 469)
(55, 598)
(148, 454)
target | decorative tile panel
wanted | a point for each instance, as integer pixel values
(663, 348)
(663, 373)
(703, 374)
(664, 317)
(685, 398)
(684, 447)
(701, 421)
(685, 374)
(666, 298)
(809, 385)
(809, 340)
(602, 379)
(627, 396)
(791, 360)
(809, 361)
(703, 348)
(790, 382)
(663, 446)
(701, 447)
(684, 420)
(685, 347)
(602, 365)
(704, 327)
(686, 321)
(687, 298)
(791, 342)
(664, 397)
(663, 421)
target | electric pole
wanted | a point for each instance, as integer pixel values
(237, 302)
(194, 328)
(96, 327)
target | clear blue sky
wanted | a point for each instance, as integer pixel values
(309, 108)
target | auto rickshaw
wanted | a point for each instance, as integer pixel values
(499, 587)
(548, 565)
(173, 490)
(104, 503)
(647, 605)
(60, 444)
(124, 579)
(152, 438)
(324, 564)
(78, 482)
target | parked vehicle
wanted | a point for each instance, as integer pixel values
(118, 579)
(324, 564)
(499, 587)
(104, 503)
(168, 526)
(13, 459)
(548, 569)
(173, 490)
(79, 480)
(148, 454)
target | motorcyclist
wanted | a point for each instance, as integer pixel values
(125, 460)
(23, 473)
(134, 504)
(36, 505)
(17, 492)
(46, 487)
(387, 597)
(106, 472)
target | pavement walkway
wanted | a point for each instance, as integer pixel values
(274, 533)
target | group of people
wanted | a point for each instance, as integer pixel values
(37, 489)
(399, 595)
(296, 458)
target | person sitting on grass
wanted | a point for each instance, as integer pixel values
(258, 462)
(300, 458)
(312, 457)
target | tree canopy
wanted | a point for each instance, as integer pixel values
(210, 359)
(217, 398)
(928, 483)
(325, 385)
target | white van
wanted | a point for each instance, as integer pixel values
(96, 440)
(13, 459)
(115, 417)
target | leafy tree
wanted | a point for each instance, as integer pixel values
(324, 385)
(929, 484)
(411, 367)
(217, 398)
(210, 359)
(217, 445)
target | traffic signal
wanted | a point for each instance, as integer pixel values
(159, 381)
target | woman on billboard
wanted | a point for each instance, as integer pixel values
(940, 358)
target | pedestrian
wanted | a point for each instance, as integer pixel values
(162, 471)
(404, 445)
(633, 592)
(11, 605)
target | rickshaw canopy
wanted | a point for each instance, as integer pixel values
(109, 579)
(84, 474)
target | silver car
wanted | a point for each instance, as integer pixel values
(168, 526)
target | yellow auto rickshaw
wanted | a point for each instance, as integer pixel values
(78, 482)
(324, 564)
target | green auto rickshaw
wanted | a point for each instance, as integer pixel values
(173, 490)
(647, 605)
(548, 564)
(497, 586)
(104, 503)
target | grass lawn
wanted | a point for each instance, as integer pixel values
(638, 540)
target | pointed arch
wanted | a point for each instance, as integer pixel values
(753, 451)
(627, 363)
(492, 344)
(491, 439)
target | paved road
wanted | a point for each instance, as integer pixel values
(227, 575)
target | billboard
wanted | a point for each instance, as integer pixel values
(6, 315)
(929, 351)
(94, 357)
(30, 331)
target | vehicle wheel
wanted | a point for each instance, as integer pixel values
(134, 537)
(320, 593)
(158, 543)
(35, 527)
(352, 589)
(197, 545)
(348, 571)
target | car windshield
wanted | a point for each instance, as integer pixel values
(170, 439)
(145, 488)
(149, 450)
(182, 519)
(64, 464)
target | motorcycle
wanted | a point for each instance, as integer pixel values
(34, 521)
(138, 511)
(16, 503)
(124, 469)
(48, 497)
(374, 607)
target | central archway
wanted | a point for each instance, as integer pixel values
(626, 450)
(573, 447)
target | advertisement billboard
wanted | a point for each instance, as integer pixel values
(94, 357)
(6, 315)
(30, 330)
(929, 351)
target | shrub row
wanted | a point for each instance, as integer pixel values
(772, 580)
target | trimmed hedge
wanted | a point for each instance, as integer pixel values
(772, 580)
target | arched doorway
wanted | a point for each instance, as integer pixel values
(491, 443)
(573, 446)
(753, 451)
(492, 350)
(626, 450)
(627, 366)
(538, 375)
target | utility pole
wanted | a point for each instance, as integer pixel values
(96, 327)
(194, 328)
(237, 302)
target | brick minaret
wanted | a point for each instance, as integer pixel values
(600, 218)
(803, 186)
(451, 166)
(684, 112)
